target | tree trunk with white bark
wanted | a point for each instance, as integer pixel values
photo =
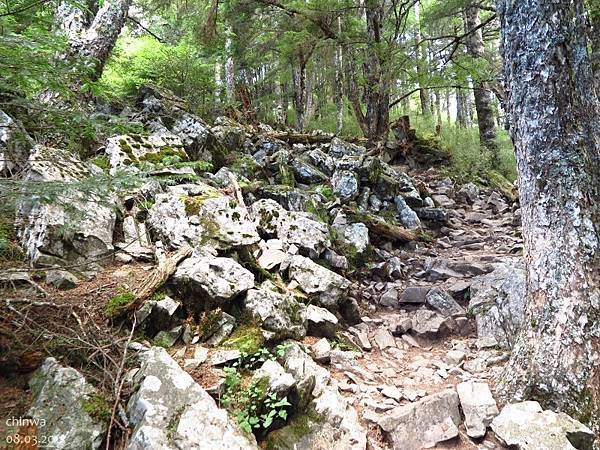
(555, 127)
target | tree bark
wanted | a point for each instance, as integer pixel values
(338, 90)
(423, 93)
(555, 128)
(95, 40)
(229, 71)
(299, 78)
(595, 41)
(481, 91)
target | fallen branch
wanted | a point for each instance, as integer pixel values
(166, 267)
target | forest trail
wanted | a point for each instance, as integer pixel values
(396, 368)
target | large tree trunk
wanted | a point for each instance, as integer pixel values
(463, 116)
(482, 93)
(299, 78)
(92, 41)
(555, 128)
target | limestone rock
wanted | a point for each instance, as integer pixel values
(498, 302)
(61, 279)
(478, 406)
(279, 382)
(321, 322)
(414, 294)
(305, 172)
(326, 286)
(525, 426)
(90, 221)
(422, 424)
(321, 351)
(211, 280)
(14, 145)
(126, 150)
(279, 315)
(66, 402)
(345, 185)
(443, 303)
(170, 411)
(292, 228)
(408, 217)
(430, 325)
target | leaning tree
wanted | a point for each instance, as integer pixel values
(556, 132)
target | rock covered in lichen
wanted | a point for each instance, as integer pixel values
(70, 413)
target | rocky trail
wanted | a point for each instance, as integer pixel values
(251, 292)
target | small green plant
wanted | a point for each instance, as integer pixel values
(116, 303)
(102, 161)
(97, 407)
(325, 191)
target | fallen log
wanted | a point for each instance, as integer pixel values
(292, 137)
(166, 267)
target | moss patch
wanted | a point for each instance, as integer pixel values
(246, 338)
(194, 204)
(164, 152)
(97, 407)
(295, 432)
(119, 301)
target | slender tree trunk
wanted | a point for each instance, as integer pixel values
(448, 114)
(279, 111)
(463, 116)
(555, 127)
(299, 77)
(218, 83)
(481, 91)
(423, 93)
(338, 84)
(353, 93)
(229, 71)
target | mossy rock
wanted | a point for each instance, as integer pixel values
(97, 407)
(247, 338)
(298, 433)
(194, 203)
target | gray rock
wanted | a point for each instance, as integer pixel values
(194, 134)
(168, 410)
(279, 315)
(306, 173)
(321, 351)
(321, 322)
(14, 145)
(323, 161)
(432, 214)
(292, 228)
(339, 149)
(362, 339)
(327, 287)
(443, 303)
(408, 217)
(160, 315)
(423, 424)
(40, 227)
(478, 405)
(208, 281)
(525, 426)
(384, 339)
(430, 325)
(220, 329)
(336, 424)
(498, 302)
(345, 185)
(223, 357)
(279, 382)
(414, 294)
(61, 279)
(167, 338)
(65, 402)
(135, 239)
(468, 194)
(389, 298)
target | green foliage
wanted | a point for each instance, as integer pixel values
(97, 407)
(116, 303)
(252, 406)
(102, 161)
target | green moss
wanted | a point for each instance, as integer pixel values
(343, 343)
(295, 432)
(164, 152)
(119, 301)
(194, 203)
(102, 161)
(245, 165)
(97, 407)
(325, 191)
(209, 323)
(318, 210)
(246, 338)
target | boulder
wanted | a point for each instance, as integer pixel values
(215, 326)
(132, 149)
(279, 315)
(478, 405)
(354, 234)
(467, 194)
(408, 218)
(443, 303)
(278, 381)
(321, 351)
(430, 325)
(292, 228)
(321, 322)
(329, 421)
(304, 172)
(414, 294)
(422, 424)
(525, 426)
(168, 410)
(61, 279)
(345, 185)
(195, 136)
(339, 149)
(498, 302)
(159, 315)
(327, 287)
(66, 408)
(209, 281)
(78, 228)
(14, 145)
